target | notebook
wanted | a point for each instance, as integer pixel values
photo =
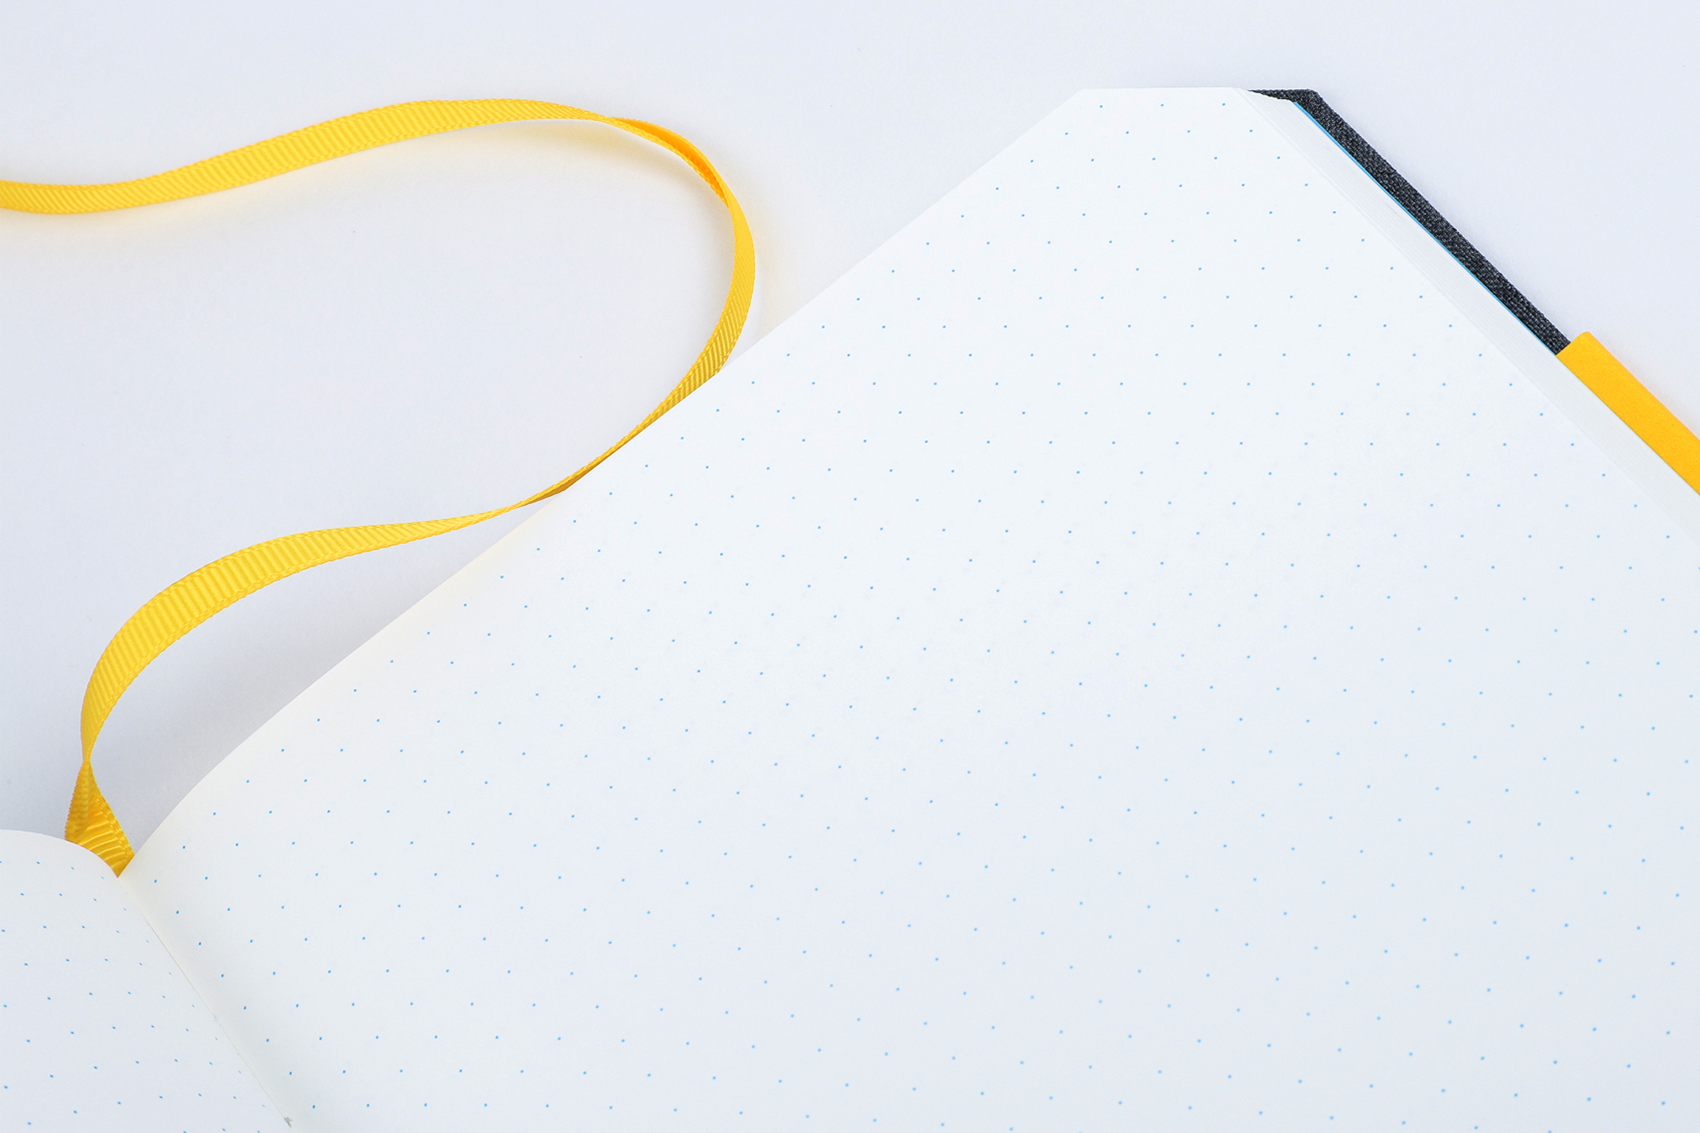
(1162, 643)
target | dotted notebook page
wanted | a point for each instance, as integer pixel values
(1129, 655)
(98, 1028)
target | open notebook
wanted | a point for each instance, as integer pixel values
(1160, 644)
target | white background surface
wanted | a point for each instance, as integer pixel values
(449, 324)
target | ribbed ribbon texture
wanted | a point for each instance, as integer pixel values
(193, 599)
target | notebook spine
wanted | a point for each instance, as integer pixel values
(1425, 214)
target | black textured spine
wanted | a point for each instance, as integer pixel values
(1425, 214)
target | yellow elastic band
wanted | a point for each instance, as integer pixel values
(190, 601)
(1639, 409)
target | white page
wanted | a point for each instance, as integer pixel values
(1131, 654)
(98, 1028)
(1537, 363)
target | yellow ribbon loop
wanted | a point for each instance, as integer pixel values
(190, 601)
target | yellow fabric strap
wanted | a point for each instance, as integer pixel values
(190, 601)
(1639, 409)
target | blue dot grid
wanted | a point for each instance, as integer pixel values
(1127, 655)
(99, 1030)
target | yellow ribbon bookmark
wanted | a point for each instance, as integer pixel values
(190, 601)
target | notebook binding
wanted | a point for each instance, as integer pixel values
(1425, 214)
